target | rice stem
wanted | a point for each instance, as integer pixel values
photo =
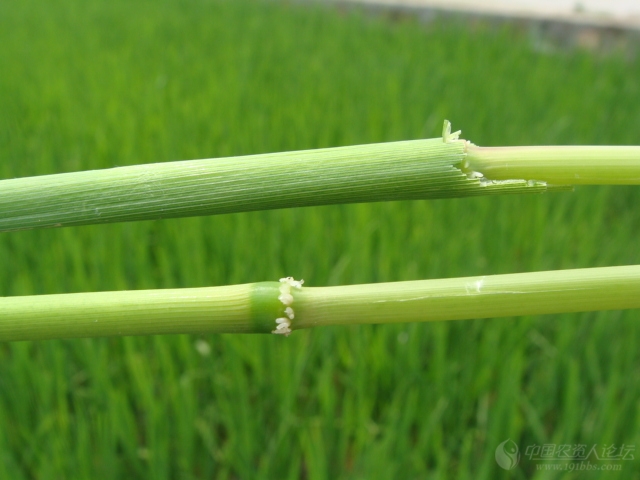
(255, 308)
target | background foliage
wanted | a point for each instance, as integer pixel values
(94, 84)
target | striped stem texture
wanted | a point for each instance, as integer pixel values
(418, 169)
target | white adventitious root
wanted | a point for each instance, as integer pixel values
(283, 324)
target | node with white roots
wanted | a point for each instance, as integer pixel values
(283, 324)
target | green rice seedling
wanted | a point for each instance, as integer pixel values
(96, 84)
(435, 168)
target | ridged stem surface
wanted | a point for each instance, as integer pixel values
(364, 173)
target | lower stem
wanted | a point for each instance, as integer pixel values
(254, 308)
(563, 291)
(142, 312)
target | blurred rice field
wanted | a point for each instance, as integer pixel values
(95, 84)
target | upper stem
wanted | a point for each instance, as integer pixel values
(361, 173)
(416, 169)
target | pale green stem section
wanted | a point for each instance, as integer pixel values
(253, 308)
(364, 173)
(143, 312)
(471, 297)
(562, 165)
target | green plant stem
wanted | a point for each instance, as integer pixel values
(365, 173)
(417, 169)
(536, 293)
(562, 165)
(143, 312)
(253, 308)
